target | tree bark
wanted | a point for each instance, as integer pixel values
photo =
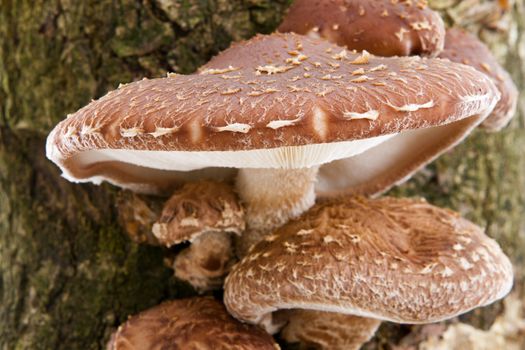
(69, 274)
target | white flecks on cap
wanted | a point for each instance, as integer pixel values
(160, 131)
(236, 127)
(370, 115)
(219, 71)
(277, 124)
(131, 132)
(401, 33)
(474, 98)
(208, 126)
(378, 68)
(363, 59)
(413, 106)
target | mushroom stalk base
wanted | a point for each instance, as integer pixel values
(272, 197)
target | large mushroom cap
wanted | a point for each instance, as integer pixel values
(193, 324)
(382, 27)
(400, 260)
(279, 101)
(466, 48)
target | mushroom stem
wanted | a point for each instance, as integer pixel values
(272, 197)
(206, 261)
(328, 330)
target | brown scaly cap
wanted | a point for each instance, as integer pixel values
(278, 101)
(193, 324)
(204, 213)
(197, 208)
(466, 48)
(328, 330)
(400, 260)
(382, 27)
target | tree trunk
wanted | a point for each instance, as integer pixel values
(69, 274)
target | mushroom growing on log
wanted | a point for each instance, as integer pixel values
(400, 260)
(298, 117)
(193, 324)
(407, 28)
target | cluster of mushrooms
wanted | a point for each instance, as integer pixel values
(275, 152)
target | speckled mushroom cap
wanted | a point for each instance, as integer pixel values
(197, 208)
(328, 330)
(382, 27)
(466, 48)
(400, 260)
(193, 324)
(278, 101)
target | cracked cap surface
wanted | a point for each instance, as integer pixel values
(401, 260)
(277, 101)
(193, 324)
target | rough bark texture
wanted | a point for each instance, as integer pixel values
(69, 274)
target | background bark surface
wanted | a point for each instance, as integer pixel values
(69, 274)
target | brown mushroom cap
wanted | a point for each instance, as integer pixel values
(328, 330)
(382, 27)
(400, 260)
(278, 101)
(197, 208)
(466, 48)
(205, 213)
(193, 324)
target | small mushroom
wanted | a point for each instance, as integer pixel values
(382, 27)
(299, 117)
(466, 48)
(400, 260)
(193, 324)
(204, 213)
